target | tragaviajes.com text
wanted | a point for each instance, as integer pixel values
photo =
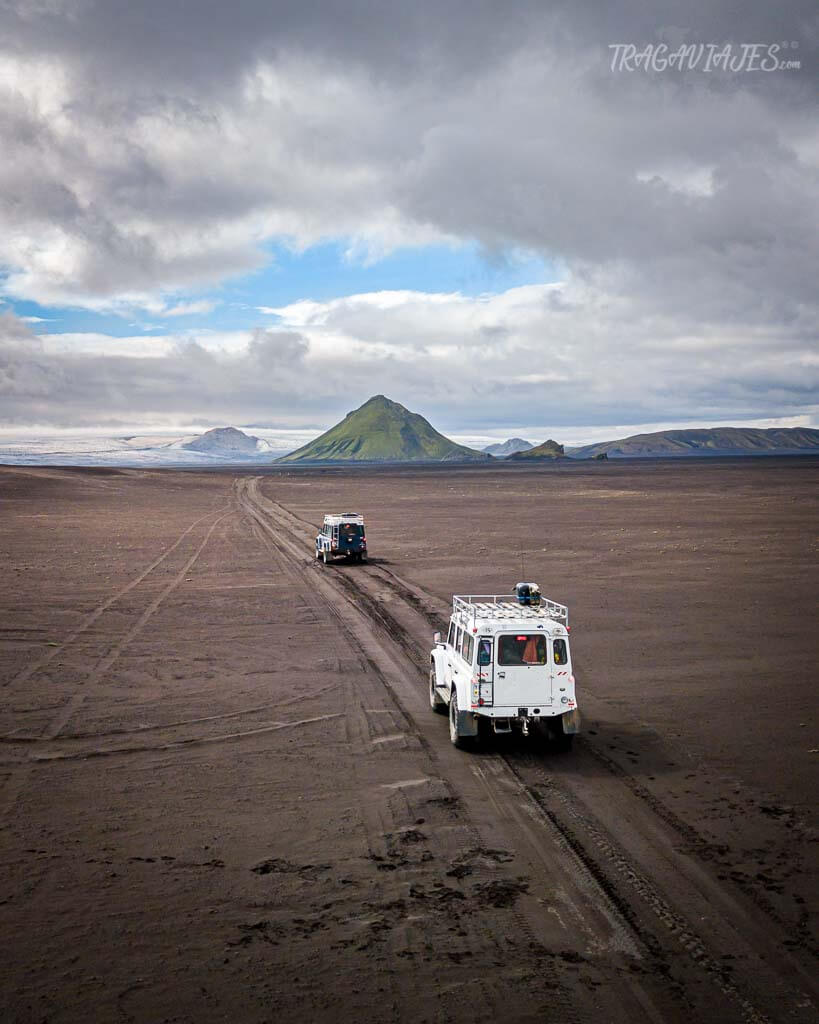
(737, 58)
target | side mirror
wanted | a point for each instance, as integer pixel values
(436, 638)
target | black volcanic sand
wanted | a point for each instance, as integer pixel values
(691, 586)
(214, 809)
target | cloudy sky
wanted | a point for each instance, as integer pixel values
(263, 212)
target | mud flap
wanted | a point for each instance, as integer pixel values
(467, 723)
(571, 722)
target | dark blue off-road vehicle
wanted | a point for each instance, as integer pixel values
(342, 535)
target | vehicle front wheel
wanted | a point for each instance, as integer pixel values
(436, 702)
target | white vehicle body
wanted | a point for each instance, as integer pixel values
(503, 664)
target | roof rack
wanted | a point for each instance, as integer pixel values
(336, 518)
(506, 606)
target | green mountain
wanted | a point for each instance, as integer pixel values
(706, 441)
(547, 450)
(382, 431)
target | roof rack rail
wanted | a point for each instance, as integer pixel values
(506, 606)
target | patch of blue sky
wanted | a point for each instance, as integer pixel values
(320, 273)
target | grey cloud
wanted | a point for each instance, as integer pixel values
(496, 122)
(152, 147)
(39, 387)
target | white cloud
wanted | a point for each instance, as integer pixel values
(490, 363)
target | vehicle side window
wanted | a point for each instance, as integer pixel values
(469, 645)
(451, 636)
(484, 652)
(459, 634)
(561, 654)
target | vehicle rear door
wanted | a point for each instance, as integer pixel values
(523, 673)
(350, 535)
(560, 658)
(485, 671)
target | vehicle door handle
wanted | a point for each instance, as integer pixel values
(501, 675)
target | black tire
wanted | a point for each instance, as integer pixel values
(561, 743)
(324, 557)
(437, 704)
(556, 740)
(486, 734)
(458, 741)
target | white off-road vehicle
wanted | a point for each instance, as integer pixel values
(342, 535)
(505, 663)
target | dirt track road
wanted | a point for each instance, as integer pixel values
(226, 797)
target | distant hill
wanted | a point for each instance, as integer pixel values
(227, 441)
(382, 431)
(547, 450)
(705, 441)
(504, 448)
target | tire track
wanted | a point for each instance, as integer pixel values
(60, 721)
(170, 726)
(377, 817)
(20, 771)
(504, 810)
(91, 618)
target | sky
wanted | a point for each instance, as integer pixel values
(264, 212)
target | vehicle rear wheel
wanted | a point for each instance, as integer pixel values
(324, 557)
(436, 702)
(461, 742)
(486, 734)
(556, 740)
(561, 743)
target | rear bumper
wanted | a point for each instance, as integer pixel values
(536, 711)
(571, 717)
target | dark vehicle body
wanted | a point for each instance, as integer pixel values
(342, 536)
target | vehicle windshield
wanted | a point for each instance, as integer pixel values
(522, 649)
